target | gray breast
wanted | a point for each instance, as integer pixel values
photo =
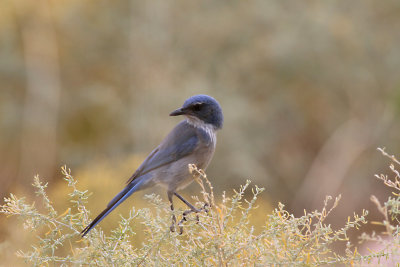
(177, 176)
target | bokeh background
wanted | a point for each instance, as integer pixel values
(309, 89)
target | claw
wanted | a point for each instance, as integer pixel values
(181, 230)
(206, 207)
(181, 223)
(172, 227)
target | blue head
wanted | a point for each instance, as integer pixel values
(202, 107)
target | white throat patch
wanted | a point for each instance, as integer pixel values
(208, 128)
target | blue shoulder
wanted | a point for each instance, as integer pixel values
(180, 142)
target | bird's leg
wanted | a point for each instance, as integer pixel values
(172, 227)
(185, 213)
(205, 207)
(192, 208)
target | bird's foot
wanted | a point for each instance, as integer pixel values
(205, 208)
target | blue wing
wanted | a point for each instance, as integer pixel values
(181, 142)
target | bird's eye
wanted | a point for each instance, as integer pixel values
(197, 107)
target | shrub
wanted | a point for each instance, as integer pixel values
(222, 236)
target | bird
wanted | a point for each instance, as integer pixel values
(191, 141)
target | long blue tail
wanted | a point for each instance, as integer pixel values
(118, 199)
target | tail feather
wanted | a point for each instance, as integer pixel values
(115, 202)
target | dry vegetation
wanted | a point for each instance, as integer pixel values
(222, 236)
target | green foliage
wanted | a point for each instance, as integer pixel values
(222, 236)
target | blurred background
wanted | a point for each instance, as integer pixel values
(309, 90)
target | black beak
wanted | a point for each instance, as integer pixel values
(177, 112)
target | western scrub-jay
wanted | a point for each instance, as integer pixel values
(192, 141)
